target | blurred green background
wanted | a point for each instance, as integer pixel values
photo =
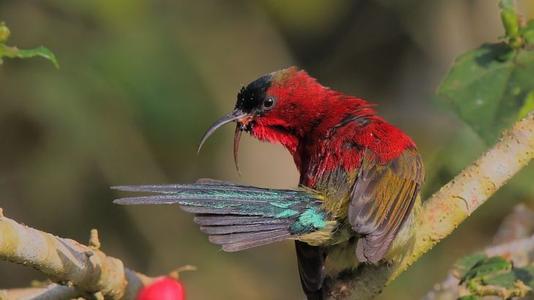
(140, 80)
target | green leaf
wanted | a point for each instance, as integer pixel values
(4, 32)
(506, 279)
(466, 263)
(488, 86)
(14, 52)
(491, 86)
(527, 107)
(515, 282)
(493, 276)
(492, 265)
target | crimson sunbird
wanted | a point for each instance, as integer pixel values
(359, 180)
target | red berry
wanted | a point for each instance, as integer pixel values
(164, 288)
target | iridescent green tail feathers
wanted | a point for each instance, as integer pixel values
(238, 217)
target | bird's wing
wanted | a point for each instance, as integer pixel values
(238, 217)
(381, 201)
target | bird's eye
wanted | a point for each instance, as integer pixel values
(268, 103)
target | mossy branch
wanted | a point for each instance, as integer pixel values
(446, 210)
(80, 270)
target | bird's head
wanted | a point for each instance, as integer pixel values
(280, 107)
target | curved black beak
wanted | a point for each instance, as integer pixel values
(236, 115)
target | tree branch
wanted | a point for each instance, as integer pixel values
(51, 292)
(445, 210)
(81, 270)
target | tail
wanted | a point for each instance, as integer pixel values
(311, 261)
(239, 217)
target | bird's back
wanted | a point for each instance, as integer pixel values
(369, 173)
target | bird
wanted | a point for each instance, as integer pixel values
(357, 196)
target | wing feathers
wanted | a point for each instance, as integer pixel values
(255, 242)
(217, 230)
(382, 199)
(212, 220)
(235, 216)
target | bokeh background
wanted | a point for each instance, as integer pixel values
(141, 79)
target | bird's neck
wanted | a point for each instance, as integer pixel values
(309, 115)
(325, 126)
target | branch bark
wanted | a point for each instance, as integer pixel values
(51, 292)
(446, 210)
(82, 270)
